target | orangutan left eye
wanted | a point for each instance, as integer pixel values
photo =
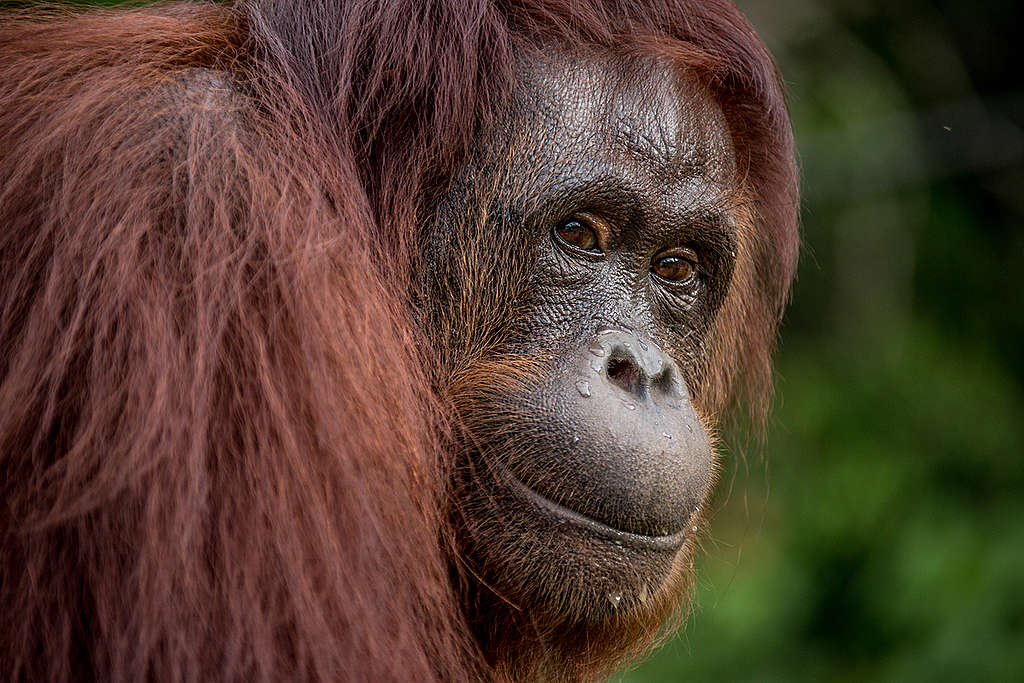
(676, 267)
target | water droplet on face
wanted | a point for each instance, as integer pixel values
(615, 599)
(629, 406)
(575, 438)
(595, 366)
(694, 529)
(584, 388)
(666, 435)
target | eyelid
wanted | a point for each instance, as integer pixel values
(688, 254)
(600, 227)
(685, 253)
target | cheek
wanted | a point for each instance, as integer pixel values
(475, 285)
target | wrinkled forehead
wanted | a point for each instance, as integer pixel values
(634, 106)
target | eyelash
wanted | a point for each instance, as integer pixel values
(570, 233)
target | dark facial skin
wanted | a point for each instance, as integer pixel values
(588, 287)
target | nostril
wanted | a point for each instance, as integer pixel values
(667, 383)
(624, 372)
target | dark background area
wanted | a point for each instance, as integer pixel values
(878, 534)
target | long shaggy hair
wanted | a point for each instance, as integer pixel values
(223, 450)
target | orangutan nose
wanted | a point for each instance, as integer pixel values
(640, 369)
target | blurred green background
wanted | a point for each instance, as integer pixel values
(878, 535)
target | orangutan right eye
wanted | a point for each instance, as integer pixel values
(578, 235)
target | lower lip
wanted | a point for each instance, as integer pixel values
(626, 538)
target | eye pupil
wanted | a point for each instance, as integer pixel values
(578, 235)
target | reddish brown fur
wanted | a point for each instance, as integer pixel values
(220, 455)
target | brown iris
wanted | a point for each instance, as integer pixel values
(676, 266)
(577, 233)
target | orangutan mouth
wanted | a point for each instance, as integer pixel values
(549, 508)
